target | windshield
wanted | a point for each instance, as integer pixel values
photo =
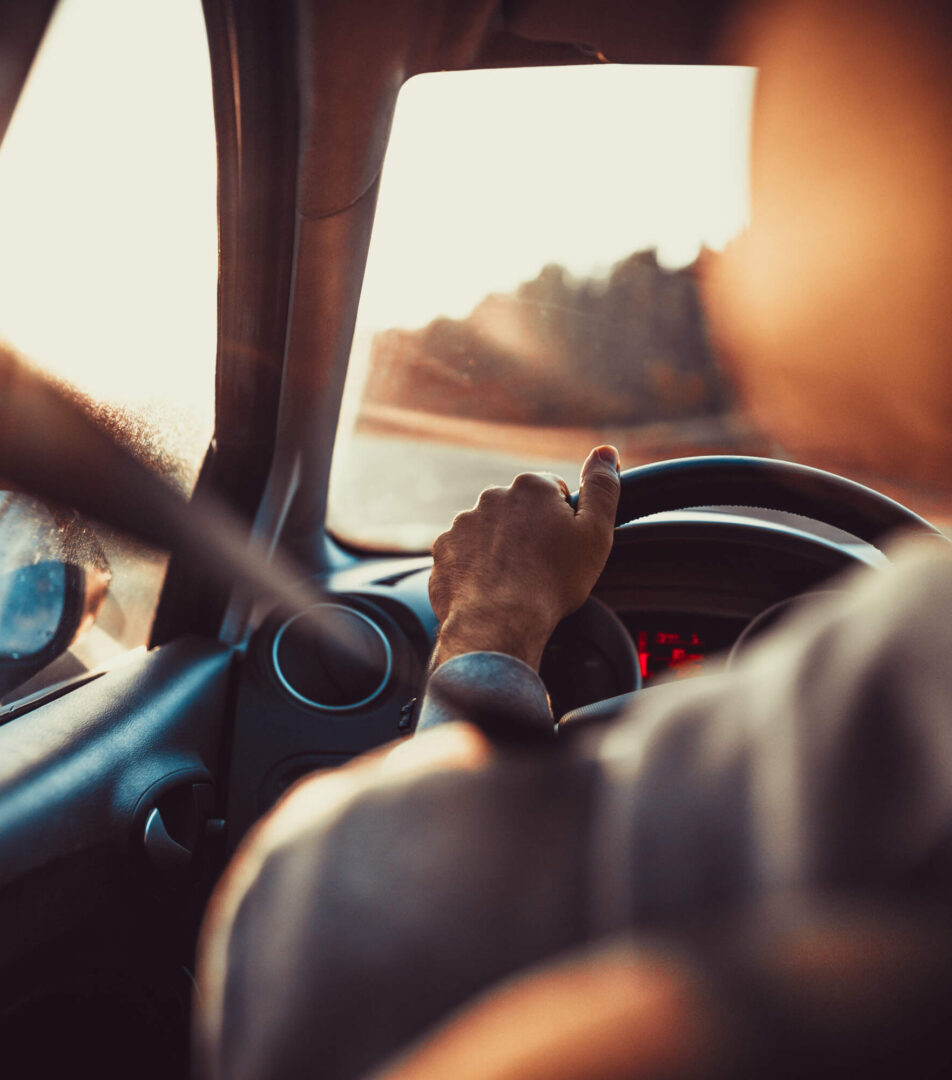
(532, 286)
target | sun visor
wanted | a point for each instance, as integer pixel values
(675, 32)
(354, 57)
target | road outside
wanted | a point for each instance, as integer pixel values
(398, 493)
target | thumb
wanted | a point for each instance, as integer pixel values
(600, 488)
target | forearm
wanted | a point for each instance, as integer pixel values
(520, 631)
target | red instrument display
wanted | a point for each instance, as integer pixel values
(669, 650)
(679, 645)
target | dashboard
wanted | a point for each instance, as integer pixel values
(677, 592)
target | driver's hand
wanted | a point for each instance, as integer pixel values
(512, 567)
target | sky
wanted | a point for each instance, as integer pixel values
(492, 174)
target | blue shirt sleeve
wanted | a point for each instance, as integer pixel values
(501, 695)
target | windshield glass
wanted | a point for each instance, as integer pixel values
(532, 286)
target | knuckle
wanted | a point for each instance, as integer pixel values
(534, 482)
(524, 481)
(490, 495)
(462, 519)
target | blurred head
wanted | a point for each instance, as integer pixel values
(834, 307)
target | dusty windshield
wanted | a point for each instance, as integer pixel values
(532, 286)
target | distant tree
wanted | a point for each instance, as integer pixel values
(626, 349)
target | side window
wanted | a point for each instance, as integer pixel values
(108, 284)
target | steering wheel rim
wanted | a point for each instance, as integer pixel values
(764, 483)
(750, 482)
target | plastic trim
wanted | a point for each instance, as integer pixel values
(388, 652)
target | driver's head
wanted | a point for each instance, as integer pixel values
(835, 307)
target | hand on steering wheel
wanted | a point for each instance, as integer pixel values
(509, 570)
(526, 556)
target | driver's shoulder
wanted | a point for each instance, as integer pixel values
(421, 888)
(919, 574)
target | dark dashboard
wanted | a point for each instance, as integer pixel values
(677, 591)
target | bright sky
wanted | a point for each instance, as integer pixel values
(492, 174)
(108, 235)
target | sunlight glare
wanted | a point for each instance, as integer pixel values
(108, 220)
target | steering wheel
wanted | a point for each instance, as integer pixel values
(752, 482)
(767, 484)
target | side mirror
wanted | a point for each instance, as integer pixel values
(41, 609)
(48, 596)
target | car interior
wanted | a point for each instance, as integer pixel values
(278, 646)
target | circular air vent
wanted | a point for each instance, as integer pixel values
(332, 658)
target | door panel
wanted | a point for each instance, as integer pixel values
(79, 776)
